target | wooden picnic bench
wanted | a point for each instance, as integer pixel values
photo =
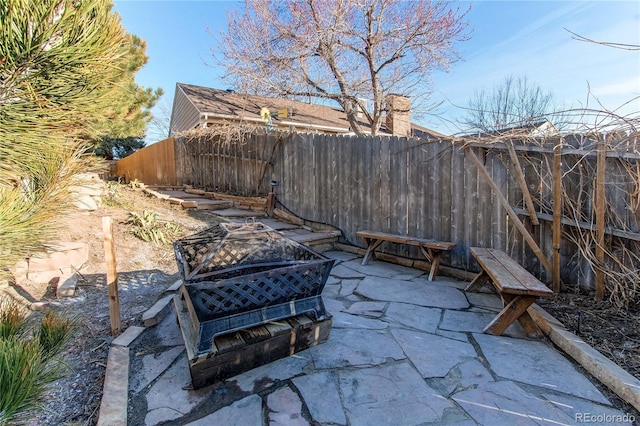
(517, 288)
(431, 249)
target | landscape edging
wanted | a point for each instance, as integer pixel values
(610, 374)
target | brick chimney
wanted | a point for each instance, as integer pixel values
(398, 115)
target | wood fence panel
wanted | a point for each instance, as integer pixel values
(367, 181)
(471, 207)
(538, 177)
(418, 192)
(485, 205)
(291, 178)
(288, 176)
(459, 255)
(399, 184)
(409, 187)
(376, 216)
(235, 157)
(340, 203)
(349, 176)
(334, 203)
(153, 165)
(508, 186)
(531, 163)
(359, 185)
(308, 164)
(399, 197)
(322, 187)
(441, 188)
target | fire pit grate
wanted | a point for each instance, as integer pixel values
(242, 275)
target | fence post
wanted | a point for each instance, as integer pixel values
(601, 203)
(557, 213)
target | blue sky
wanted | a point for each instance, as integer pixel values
(508, 37)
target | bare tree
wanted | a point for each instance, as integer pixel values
(514, 102)
(340, 50)
(159, 125)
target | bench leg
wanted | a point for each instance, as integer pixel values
(371, 248)
(513, 310)
(478, 282)
(432, 256)
(528, 324)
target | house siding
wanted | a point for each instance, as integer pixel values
(185, 115)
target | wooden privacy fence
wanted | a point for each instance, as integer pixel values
(446, 190)
(154, 164)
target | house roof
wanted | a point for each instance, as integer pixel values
(537, 128)
(218, 106)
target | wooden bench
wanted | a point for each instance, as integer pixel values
(431, 249)
(517, 288)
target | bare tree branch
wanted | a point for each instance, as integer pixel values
(622, 46)
(343, 51)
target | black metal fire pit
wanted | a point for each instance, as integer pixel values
(242, 275)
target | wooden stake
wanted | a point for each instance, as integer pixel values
(512, 215)
(601, 203)
(112, 275)
(557, 214)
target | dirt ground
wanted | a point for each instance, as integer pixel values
(144, 270)
(612, 331)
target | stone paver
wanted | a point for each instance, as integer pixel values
(576, 407)
(264, 376)
(332, 305)
(485, 300)
(168, 398)
(390, 395)
(402, 351)
(347, 287)
(328, 407)
(340, 256)
(466, 375)
(433, 355)
(345, 320)
(356, 347)
(505, 403)
(367, 309)
(475, 322)
(383, 269)
(247, 411)
(419, 317)
(422, 293)
(154, 365)
(536, 363)
(170, 334)
(285, 408)
(340, 271)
